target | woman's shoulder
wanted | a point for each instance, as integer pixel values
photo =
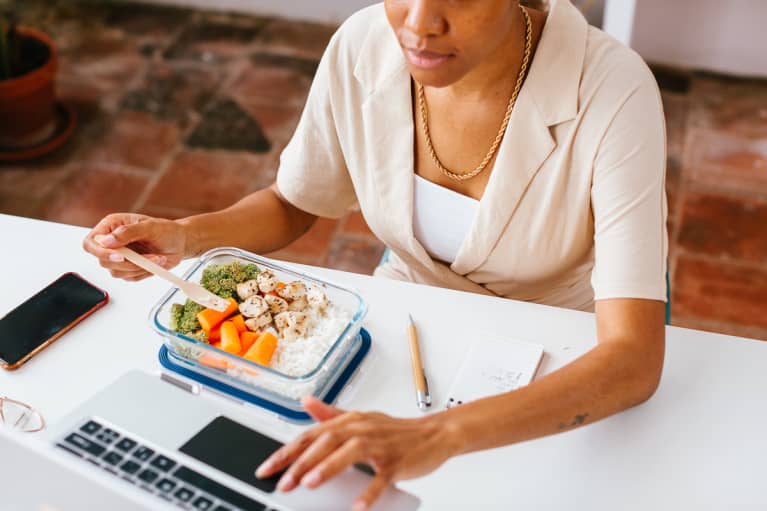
(610, 64)
(352, 38)
(363, 52)
(369, 20)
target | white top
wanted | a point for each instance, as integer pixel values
(441, 218)
(699, 443)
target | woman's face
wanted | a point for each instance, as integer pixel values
(443, 40)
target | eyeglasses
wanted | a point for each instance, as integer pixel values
(20, 416)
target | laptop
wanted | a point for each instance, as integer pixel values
(160, 437)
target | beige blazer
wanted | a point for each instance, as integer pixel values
(575, 208)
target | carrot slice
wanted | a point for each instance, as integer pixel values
(214, 336)
(247, 338)
(262, 350)
(210, 318)
(280, 285)
(212, 360)
(239, 322)
(230, 338)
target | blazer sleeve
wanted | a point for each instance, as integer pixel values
(629, 200)
(312, 174)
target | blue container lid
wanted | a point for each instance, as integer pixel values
(362, 348)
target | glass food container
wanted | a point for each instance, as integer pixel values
(267, 385)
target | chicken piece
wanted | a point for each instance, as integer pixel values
(267, 282)
(247, 289)
(276, 304)
(293, 290)
(254, 306)
(292, 324)
(281, 320)
(317, 298)
(298, 304)
(259, 322)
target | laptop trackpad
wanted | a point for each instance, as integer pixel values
(235, 450)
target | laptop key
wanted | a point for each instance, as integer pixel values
(85, 444)
(143, 453)
(218, 490)
(90, 427)
(112, 458)
(163, 463)
(130, 467)
(166, 485)
(126, 444)
(222, 508)
(69, 450)
(107, 436)
(184, 494)
(202, 503)
(148, 476)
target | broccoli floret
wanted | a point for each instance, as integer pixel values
(183, 318)
(222, 279)
(199, 335)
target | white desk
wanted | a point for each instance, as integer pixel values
(699, 443)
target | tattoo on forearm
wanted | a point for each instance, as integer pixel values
(577, 421)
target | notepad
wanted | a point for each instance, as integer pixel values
(494, 365)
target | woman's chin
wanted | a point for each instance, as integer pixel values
(435, 77)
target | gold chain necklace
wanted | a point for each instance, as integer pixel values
(425, 115)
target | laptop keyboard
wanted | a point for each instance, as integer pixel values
(153, 472)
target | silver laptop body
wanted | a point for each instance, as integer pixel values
(180, 449)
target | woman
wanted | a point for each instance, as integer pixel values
(566, 208)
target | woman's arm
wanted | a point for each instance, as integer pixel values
(261, 222)
(621, 371)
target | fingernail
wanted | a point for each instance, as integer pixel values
(108, 240)
(311, 479)
(116, 258)
(263, 469)
(287, 483)
(359, 505)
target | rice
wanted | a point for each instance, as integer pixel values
(301, 355)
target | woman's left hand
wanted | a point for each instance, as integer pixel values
(395, 448)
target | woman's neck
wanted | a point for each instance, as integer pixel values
(496, 75)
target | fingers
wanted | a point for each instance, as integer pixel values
(123, 235)
(320, 449)
(319, 410)
(102, 234)
(116, 263)
(333, 418)
(115, 231)
(349, 453)
(131, 276)
(374, 490)
(286, 454)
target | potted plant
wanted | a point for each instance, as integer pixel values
(32, 123)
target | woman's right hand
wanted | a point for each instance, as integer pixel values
(162, 241)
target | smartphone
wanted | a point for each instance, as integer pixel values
(45, 317)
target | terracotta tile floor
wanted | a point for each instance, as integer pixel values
(184, 111)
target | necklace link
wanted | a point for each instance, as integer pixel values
(494, 147)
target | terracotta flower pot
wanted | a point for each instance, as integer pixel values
(28, 102)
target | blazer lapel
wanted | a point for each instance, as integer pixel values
(388, 131)
(525, 146)
(548, 97)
